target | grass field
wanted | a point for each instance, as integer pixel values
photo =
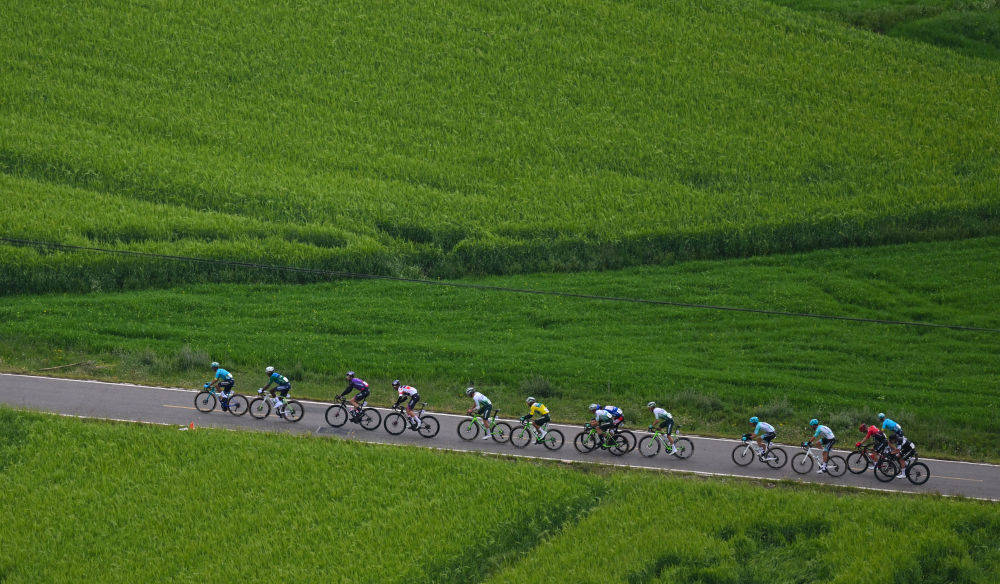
(710, 369)
(459, 137)
(102, 502)
(970, 27)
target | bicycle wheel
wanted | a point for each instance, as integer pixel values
(802, 463)
(857, 462)
(468, 429)
(835, 466)
(649, 446)
(918, 473)
(293, 411)
(429, 426)
(260, 408)
(585, 442)
(394, 423)
(619, 445)
(553, 440)
(776, 457)
(886, 469)
(501, 432)
(520, 436)
(238, 405)
(683, 448)
(743, 455)
(336, 415)
(630, 439)
(370, 419)
(204, 402)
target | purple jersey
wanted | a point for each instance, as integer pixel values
(357, 383)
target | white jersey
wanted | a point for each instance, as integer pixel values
(662, 414)
(481, 400)
(763, 428)
(407, 390)
(602, 415)
(824, 432)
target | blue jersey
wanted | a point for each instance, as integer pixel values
(615, 412)
(891, 426)
(221, 373)
(277, 379)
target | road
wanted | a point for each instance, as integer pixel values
(712, 456)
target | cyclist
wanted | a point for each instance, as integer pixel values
(603, 420)
(826, 438)
(224, 381)
(905, 448)
(878, 439)
(616, 414)
(408, 393)
(763, 433)
(537, 407)
(891, 426)
(482, 406)
(281, 384)
(666, 423)
(354, 383)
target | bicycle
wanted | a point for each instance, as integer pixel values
(397, 421)
(522, 435)
(774, 456)
(650, 445)
(916, 472)
(469, 428)
(589, 440)
(863, 458)
(803, 461)
(260, 408)
(338, 414)
(206, 399)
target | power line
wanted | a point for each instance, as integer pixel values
(485, 287)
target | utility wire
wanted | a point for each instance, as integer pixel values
(485, 287)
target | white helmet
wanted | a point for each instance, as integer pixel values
(530, 400)
(593, 407)
(651, 405)
(470, 390)
(215, 364)
(269, 370)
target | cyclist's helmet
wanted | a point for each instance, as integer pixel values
(529, 401)
(881, 417)
(754, 420)
(215, 364)
(396, 383)
(814, 422)
(269, 370)
(469, 391)
(594, 407)
(862, 428)
(350, 374)
(651, 405)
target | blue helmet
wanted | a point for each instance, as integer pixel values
(754, 420)
(814, 422)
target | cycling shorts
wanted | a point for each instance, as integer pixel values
(485, 410)
(768, 437)
(226, 383)
(828, 443)
(667, 425)
(362, 396)
(605, 424)
(542, 420)
(283, 389)
(897, 436)
(414, 399)
(906, 449)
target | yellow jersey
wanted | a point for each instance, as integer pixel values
(539, 409)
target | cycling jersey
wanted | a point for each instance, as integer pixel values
(407, 390)
(891, 426)
(356, 383)
(823, 433)
(615, 412)
(872, 432)
(662, 414)
(763, 428)
(221, 373)
(278, 379)
(538, 409)
(603, 416)
(481, 400)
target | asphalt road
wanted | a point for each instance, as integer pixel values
(712, 456)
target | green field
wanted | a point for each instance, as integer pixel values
(970, 27)
(464, 138)
(104, 502)
(712, 370)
